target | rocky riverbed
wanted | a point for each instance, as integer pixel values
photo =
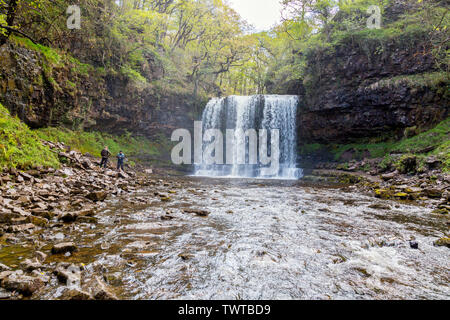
(85, 233)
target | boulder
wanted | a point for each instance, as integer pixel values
(64, 247)
(443, 242)
(30, 265)
(76, 294)
(38, 221)
(389, 176)
(97, 196)
(433, 193)
(198, 212)
(26, 285)
(4, 267)
(20, 228)
(101, 291)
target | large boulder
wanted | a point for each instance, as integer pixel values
(97, 196)
(26, 285)
(64, 247)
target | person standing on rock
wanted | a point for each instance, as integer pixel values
(105, 156)
(120, 160)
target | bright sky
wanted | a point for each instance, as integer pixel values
(262, 14)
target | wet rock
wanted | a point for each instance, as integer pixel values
(69, 217)
(186, 256)
(433, 163)
(26, 176)
(4, 267)
(40, 256)
(24, 200)
(101, 291)
(382, 193)
(401, 195)
(123, 175)
(199, 212)
(86, 163)
(379, 206)
(407, 164)
(76, 294)
(68, 274)
(30, 265)
(87, 219)
(38, 221)
(5, 295)
(442, 242)
(97, 196)
(433, 193)
(26, 285)
(414, 244)
(21, 228)
(389, 176)
(41, 275)
(5, 274)
(64, 247)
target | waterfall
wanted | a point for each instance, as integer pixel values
(241, 113)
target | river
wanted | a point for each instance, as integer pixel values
(263, 239)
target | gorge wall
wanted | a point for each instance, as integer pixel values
(371, 89)
(44, 89)
(370, 84)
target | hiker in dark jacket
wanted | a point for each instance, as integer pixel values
(120, 160)
(105, 156)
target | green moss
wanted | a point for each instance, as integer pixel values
(93, 142)
(50, 54)
(20, 147)
(435, 141)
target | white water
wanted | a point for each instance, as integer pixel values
(253, 112)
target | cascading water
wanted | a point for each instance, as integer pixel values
(241, 113)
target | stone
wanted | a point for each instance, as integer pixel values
(102, 291)
(123, 175)
(26, 285)
(433, 193)
(76, 294)
(97, 196)
(414, 244)
(40, 256)
(389, 176)
(5, 295)
(401, 195)
(382, 193)
(185, 256)
(380, 206)
(199, 212)
(4, 267)
(69, 217)
(30, 265)
(26, 176)
(24, 200)
(38, 221)
(442, 242)
(87, 219)
(20, 228)
(64, 247)
(68, 273)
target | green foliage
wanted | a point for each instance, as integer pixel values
(20, 147)
(435, 141)
(50, 54)
(93, 142)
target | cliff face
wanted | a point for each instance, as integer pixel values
(49, 92)
(372, 83)
(371, 90)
